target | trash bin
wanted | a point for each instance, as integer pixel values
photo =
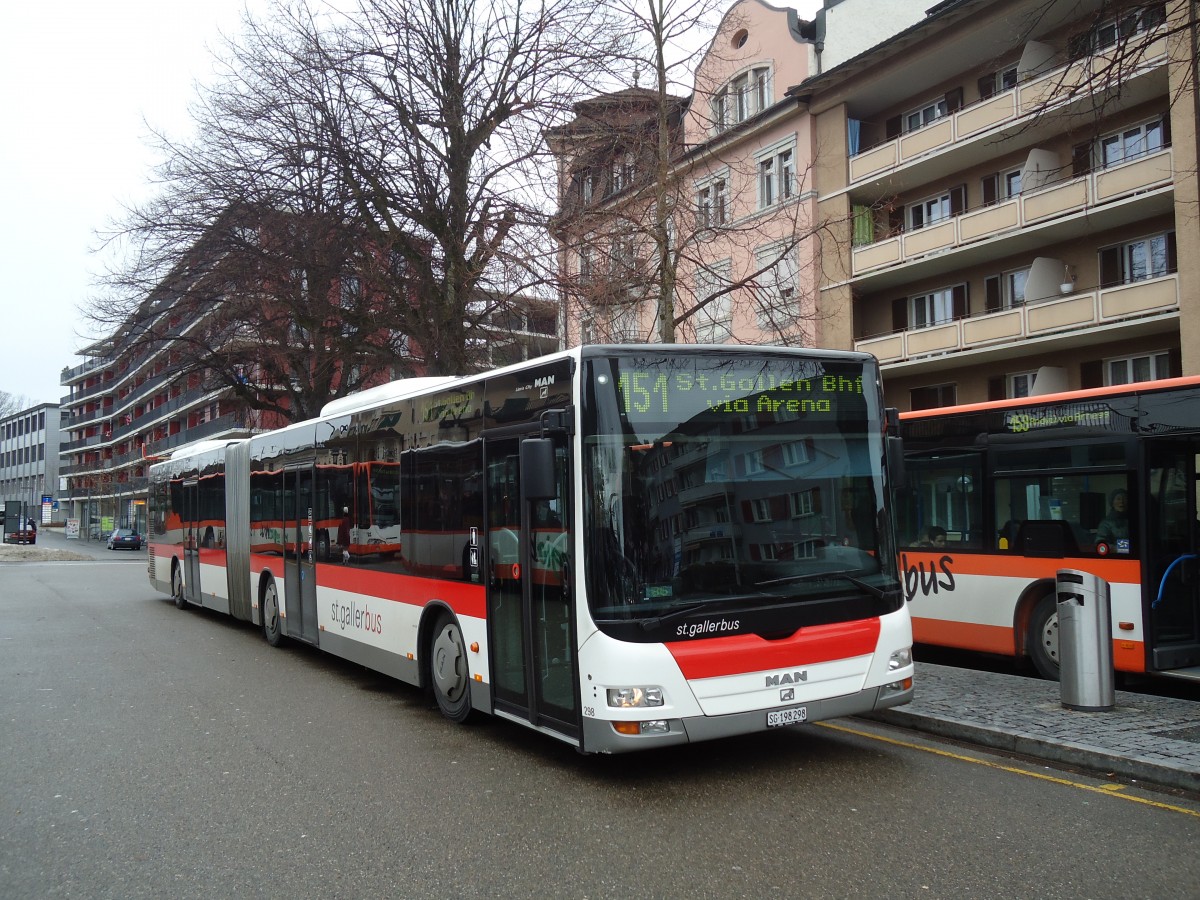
(1085, 641)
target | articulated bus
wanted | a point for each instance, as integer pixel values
(622, 547)
(1001, 495)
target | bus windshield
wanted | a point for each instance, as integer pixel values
(713, 483)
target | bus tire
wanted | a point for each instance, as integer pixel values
(272, 624)
(177, 586)
(449, 672)
(1042, 639)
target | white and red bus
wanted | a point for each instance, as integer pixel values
(623, 547)
(1101, 480)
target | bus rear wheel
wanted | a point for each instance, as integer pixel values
(451, 678)
(272, 624)
(1043, 638)
(177, 587)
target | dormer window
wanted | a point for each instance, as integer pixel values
(746, 95)
(621, 173)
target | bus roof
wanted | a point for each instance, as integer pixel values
(1137, 387)
(383, 393)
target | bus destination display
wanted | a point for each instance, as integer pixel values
(645, 392)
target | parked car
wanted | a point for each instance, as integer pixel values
(124, 539)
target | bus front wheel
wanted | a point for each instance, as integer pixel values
(1043, 638)
(272, 624)
(448, 667)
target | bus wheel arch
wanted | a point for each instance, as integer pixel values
(447, 671)
(1037, 628)
(268, 605)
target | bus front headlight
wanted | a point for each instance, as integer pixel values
(635, 697)
(900, 659)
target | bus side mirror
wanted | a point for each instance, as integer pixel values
(895, 462)
(537, 469)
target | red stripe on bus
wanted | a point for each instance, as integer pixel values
(1114, 571)
(465, 599)
(965, 636)
(741, 653)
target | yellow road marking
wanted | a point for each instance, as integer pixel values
(1111, 790)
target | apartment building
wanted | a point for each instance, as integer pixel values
(995, 197)
(126, 406)
(131, 402)
(1008, 189)
(29, 445)
(726, 233)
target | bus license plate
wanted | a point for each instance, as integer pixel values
(793, 716)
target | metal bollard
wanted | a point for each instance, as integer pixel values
(1085, 641)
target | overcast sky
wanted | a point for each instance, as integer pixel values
(80, 80)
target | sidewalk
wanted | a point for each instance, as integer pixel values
(1154, 739)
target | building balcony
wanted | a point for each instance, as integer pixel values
(91, 365)
(1125, 304)
(1020, 111)
(1106, 198)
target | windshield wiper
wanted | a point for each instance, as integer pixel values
(818, 576)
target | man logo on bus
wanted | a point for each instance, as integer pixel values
(787, 678)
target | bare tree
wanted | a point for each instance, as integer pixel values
(442, 156)
(249, 268)
(12, 403)
(355, 202)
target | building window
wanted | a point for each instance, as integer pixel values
(931, 112)
(800, 504)
(714, 320)
(997, 82)
(776, 177)
(1148, 257)
(625, 327)
(621, 172)
(622, 257)
(1005, 291)
(1020, 384)
(586, 262)
(933, 308)
(1129, 369)
(1130, 143)
(777, 295)
(1131, 23)
(351, 291)
(746, 95)
(712, 203)
(933, 396)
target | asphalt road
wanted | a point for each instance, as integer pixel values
(152, 752)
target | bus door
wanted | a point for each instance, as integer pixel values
(529, 586)
(191, 541)
(299, 567)
(1172, 583)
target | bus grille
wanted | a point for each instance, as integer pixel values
(150, 565)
